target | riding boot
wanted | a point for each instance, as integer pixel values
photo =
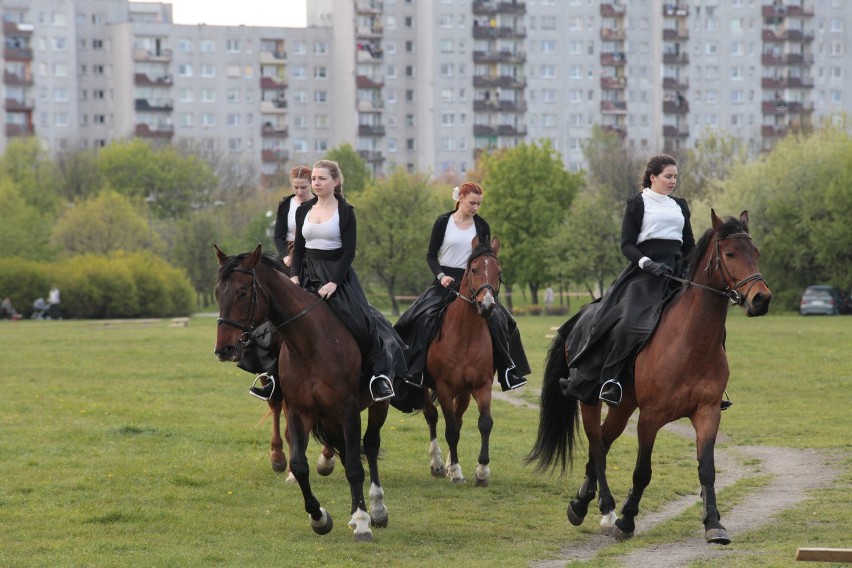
(509, 356)
(415, 380)
(611, 392)
(510, 379)
(381, 388)
(268, 389)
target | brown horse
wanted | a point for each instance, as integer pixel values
(460, 363)
(682, 371)
(319, 367)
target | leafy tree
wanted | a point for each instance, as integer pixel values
(24, 228)
(30, 168)
(395, 217)
(103, 224)
(704, 169)
(172, 183)
(588, 243)
(527, 194)
(356, 174)
(193, 250)
(79, 176)
(614, 169)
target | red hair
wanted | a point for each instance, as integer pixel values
(467, 188)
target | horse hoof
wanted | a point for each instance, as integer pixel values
(380, 523)
(324, 524)
(620, 536)
(458, 480)
(717, 536)
(439, 472)
(363, 537)
(480, 482)
(576, 519)
(279, 466)
(291, 479)
(325, 466)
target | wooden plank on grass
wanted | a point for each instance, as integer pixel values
(824, 554)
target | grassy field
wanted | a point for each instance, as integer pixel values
(130, 445)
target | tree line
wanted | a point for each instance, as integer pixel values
(558, 228)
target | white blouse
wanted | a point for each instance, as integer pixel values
(455, 250)
(323, 236)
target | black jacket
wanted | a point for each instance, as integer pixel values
(439, 229)
(348, 237)
(631, 226)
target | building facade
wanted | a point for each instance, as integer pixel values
(425, 85)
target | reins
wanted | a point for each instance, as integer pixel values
(730, 292)
(474, 293)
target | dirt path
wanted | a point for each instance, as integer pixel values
(794, 473)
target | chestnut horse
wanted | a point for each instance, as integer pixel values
(681, 371)
(319, 366)
(460, 363)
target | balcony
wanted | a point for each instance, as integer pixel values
(371, 130)
(618, 131)
(499, 106)
(483, 32)
(676, 131)
(145, 80)
(17, 53)
(369, 32)
(613, 59)
(484, 130)
(161, 131)
(16, 79)
(273, 57)
(800, 82)
(511, 130)
(503, 81)
(375, 105)
(273, 83)
(675, 84)
(269, 130)
(613, 107)
(799, 59)
(677, 106)
(165, 105)
(780, 11)
(364, 82)
(504, 56)
(149, 55)
(368, 7)
(20, 130)
(676, 34)
(676, 58)
(486, 8)
(612, 34)
(773, 83)
(274, 156)
(675, 10)
(14, 29)
(372, 156)
(773, 131)
(613, 10)
(16, 105)
(613, 83)
(276, 106)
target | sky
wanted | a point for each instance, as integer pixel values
(276, 13)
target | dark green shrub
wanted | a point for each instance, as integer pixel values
(23, 281)
(97, 287)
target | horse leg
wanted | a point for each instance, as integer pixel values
(376, 416)
(579, 506)
(597, 459)
(360, 520)
(706, 426)
(647, 433)
(321, 521)
(482, 475)
(325, 462)
(452, 431)
(436, 460)
(276, 455)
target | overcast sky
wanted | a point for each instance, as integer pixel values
(277, 13)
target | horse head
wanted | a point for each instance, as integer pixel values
(242, 303)
(482, 277)
(732, 264)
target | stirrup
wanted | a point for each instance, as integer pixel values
(611, 401)
(727, 402)
(508, 385)
(381, 379)
(417, 380)
(260, 391)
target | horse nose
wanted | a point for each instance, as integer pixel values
(760, 304)
(225, 353)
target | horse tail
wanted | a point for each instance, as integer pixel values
(558, 417)
(324, 438)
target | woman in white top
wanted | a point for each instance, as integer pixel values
(656, 237)
(323, 251)
(447, 257)
(285, 220)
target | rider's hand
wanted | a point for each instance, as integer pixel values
(657, 268)
(327, 290)
(294, 280)
(447, 281)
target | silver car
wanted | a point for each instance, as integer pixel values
(820, 300)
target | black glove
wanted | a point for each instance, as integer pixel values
(657, 268)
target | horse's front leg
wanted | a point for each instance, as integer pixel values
(436, 460)
(376, 416)
(482, 475)
(597, 460)
(325, 462)
(321, 521)
(647, 429)
(276, 454)
(360, 520)
(452, 431)
(706, 425)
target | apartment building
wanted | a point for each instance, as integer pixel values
(424, 84)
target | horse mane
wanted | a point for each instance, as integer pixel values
(729, 226)
(480, 250)
(268, 258)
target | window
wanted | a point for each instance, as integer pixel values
(321, 121)
(737, 97)
(185, 95)
(207, 46)
(320, 48)
(321, 97)
(233, 119)
(409, 47)
(448, 119)
(184, 45)
(299, 72)
(409, 95)
(232, 45)
(208, 119)
(320, 72)
(60, 69)
(184, 70)
(208, 70)
(409, 144)
(208, 96)
(233, 96)
(299, 48)
(548, 23)
(548, 72)
(447, 95)
(445, 46)
(97, 44)
(548, 96)
(321, 145)
(548, 46)
(235, 144)
(186, 119)
(447, 70)
(409, 71)
(60, 95)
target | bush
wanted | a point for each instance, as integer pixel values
(556, 311)
(23, 281)
(534, 310)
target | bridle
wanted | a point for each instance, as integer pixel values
(472, 294)
(248, 325)
(730, 292)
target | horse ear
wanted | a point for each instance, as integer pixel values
(474, 242)
(495, 245)
(744, 220)
(220, 256)
(716, 221)
(254, 258)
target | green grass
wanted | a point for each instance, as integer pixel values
(133, 445)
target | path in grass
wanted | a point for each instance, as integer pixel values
(794, 473)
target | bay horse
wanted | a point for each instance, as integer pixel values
(460, 363)
(319, 366)
(681, 371)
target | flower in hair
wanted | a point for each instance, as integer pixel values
(455, 193)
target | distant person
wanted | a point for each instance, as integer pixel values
(7, 310)
(548, 297)
(53, 311)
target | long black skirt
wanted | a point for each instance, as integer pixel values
(604, 336)
(381, 347)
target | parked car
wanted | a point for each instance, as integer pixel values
(820, 300)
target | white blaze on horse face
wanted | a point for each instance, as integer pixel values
(488, 299)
